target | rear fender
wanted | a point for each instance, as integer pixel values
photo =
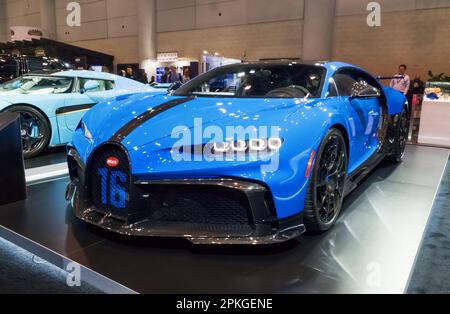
(396, 101)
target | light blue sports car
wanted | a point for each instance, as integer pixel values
(51, 106)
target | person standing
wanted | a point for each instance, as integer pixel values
(175, 77)
(402, 81)
(418, 86)
(186, 75)
(143, 78)
(129, 73)
(166, 76)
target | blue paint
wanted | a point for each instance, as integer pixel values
(104, 174)
(117, 191)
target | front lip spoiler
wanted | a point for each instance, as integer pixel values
(279, 237)
(289, 229)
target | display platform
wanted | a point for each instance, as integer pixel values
(51, 156)
(434, 123)
(48, 166)
(12, 173)
(372, 249)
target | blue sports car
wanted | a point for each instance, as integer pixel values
(51, 106)
(243, 154)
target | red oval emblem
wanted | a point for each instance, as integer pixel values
(112, 162)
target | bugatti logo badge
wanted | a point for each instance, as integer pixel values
(112, 162)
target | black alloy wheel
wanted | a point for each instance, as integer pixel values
(326, 188)
(401, 137)
(35, 130)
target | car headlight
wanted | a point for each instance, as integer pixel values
(86, 131)
(269, 145)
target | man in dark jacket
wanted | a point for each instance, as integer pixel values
(129, 73)
(166, 76)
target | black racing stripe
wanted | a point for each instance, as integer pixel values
(138, 121)
(69, 109)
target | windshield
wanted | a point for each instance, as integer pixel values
(38, 85)
(254, 81)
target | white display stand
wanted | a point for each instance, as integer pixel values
(435, 122)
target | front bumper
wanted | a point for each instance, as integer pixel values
(174, 215)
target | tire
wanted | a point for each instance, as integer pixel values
(401, 138)
(326, 186)
(35, 130)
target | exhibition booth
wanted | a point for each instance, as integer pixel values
(320, 178)
(435, 115)
(190, 68)
(77, 57)
(380, 228)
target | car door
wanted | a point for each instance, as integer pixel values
(81, 100)
(364, 113)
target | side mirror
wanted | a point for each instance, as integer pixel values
(365, 91)
(90, 86)
(16, 85)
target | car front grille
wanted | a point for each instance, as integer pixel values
(110, 187)
(179, 208)
(208, 205)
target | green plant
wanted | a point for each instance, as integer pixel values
(438, 78)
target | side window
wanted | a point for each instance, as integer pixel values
(345, 82)
(101, 87)
(348, 81)
(332, 90)
(110, 85)
(367, 79)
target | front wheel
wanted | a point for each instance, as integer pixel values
(326, 187)
(35, 130)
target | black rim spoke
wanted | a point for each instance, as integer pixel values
(329, 185)
(31, 132)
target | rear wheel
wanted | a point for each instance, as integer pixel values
(401, 137)
(35, 130)
(326, 188)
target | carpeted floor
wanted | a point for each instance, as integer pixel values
(432, 270)
(22, 273)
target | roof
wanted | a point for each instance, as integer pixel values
(326, 64)
(87, 74)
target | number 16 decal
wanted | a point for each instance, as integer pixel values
(117, 195)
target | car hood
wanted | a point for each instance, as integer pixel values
(161, 128)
